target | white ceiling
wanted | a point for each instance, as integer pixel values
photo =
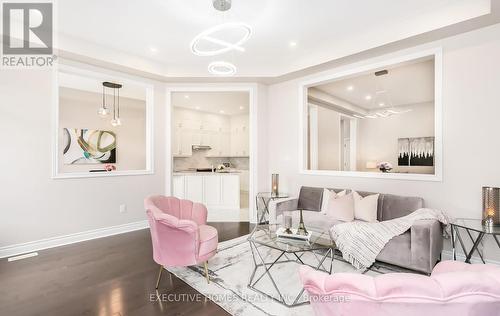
(155, 35)
(409, 83)
(230, 103)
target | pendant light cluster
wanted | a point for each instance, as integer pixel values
(104, 110)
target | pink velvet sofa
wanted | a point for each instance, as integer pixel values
(179, 233)
(453, 289)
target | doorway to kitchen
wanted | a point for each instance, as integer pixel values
(210, 150)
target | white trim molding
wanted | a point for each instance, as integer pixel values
(252, 90)
(18, 249)
(125, 79)
(352, 70)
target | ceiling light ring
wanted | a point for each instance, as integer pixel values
(226, 46)
(212, 68)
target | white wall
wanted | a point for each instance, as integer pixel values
(77, 109)
(471, 77)
(35, 206)
(328, 139)
(377, 139)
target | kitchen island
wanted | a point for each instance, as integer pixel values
(217, 190)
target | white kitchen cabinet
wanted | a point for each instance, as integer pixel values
(200, 137)
(212, 192)
(231, 191)
(228, 137)
(178, 186)
(244, 180)
(239, 137)
(219, 142)
(186, 146)
(225, 147)
(216, 191)
(181, 142)
(193, 188)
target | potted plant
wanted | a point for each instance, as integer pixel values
(384, 166)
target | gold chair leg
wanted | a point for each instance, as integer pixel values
(159, 277)
(206, 271)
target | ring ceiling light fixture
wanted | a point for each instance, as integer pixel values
(214, 37)
(221, 68)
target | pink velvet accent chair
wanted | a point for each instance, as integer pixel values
(179, 233)
(454, 288)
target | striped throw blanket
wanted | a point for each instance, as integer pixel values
(361, 242)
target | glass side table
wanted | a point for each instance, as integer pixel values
(262, 200)
(472, 226)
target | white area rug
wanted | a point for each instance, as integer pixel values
(230, 272)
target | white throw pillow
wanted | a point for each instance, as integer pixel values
(327, 195)
(365, 208)
(341, 208)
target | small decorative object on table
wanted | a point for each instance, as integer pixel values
(302, 227)
(384, 166)
(292, 235)
(109, 168)
(287, 223)
(275, 179)
(491, 206)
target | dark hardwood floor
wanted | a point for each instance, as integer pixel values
(108, 276)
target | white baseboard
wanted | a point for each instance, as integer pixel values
(17, 249)
(448, 255)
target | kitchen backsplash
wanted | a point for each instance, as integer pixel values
(240, 163)
(198, 160)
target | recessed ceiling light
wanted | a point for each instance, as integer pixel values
(153, 49)
(222, 112)
(222, 46)
(197, 107)
(292, 44)
(381, 104)
(186, 96)
(221, 68)
(241, 107)
(350, 88)
(368, 97)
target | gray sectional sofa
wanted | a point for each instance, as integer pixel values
(417, 249)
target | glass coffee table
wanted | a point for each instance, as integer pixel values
(263, 237)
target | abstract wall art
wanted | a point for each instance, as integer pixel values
(418, 151)
(87, 146)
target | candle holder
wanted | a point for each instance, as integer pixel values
(491, 206)
(275, 179)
